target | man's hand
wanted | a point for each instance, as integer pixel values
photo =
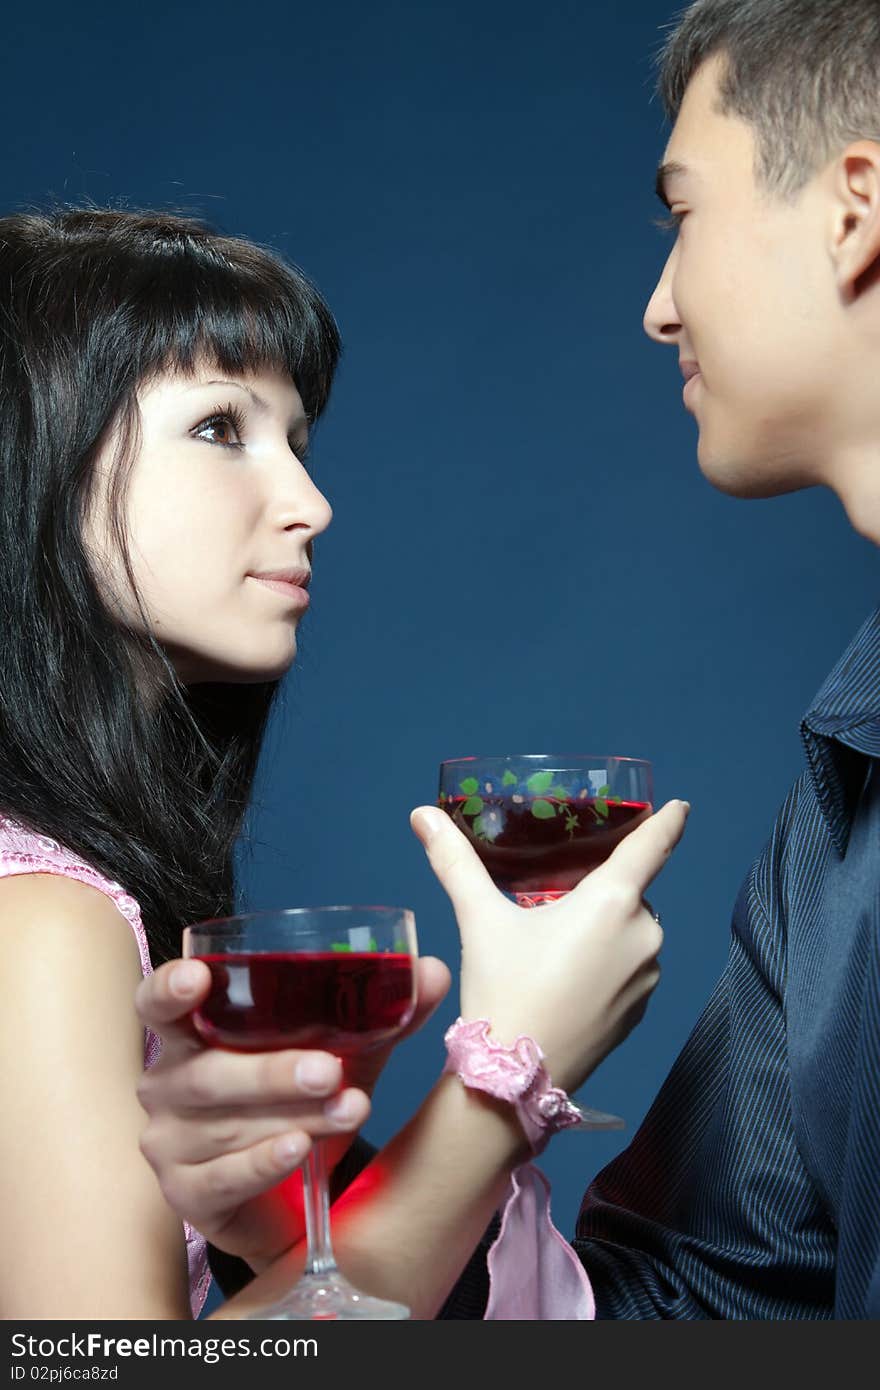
(226, 1130)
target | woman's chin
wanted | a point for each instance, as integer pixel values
(225, 672)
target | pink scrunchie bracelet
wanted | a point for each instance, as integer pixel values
(534, 1273)
(515, 1074)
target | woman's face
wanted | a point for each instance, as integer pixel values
(218, 493)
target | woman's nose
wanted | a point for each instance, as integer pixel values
(304, 505)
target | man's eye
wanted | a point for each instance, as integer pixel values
(671, 222)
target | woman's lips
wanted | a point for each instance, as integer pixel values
(291, 591)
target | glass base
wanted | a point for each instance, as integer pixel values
(597, 1119)
(329, 1297)
(536, 899)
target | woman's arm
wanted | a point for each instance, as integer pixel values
(84, 1229)
(407, 1226)
(576, 975)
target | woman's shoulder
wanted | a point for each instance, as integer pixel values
(27, 852)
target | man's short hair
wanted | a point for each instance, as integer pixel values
(805, 74)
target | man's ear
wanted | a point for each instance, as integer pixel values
(855, 240)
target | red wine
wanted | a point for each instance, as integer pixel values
(340, 1001)
(525, 853)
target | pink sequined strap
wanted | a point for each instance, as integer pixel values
(515, 1074)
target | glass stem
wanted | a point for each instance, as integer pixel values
(317, 1203)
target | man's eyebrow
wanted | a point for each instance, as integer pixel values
(261, 404)
(664, 172)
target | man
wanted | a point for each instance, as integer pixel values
(750, 1189)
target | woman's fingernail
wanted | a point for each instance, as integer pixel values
(317, 1074)
(288, 1150)
(184, 979)
(341, 1110)
(687, 807)
(426, 822)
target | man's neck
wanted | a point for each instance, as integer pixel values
(854, 475)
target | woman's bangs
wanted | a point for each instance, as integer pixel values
(242, 325)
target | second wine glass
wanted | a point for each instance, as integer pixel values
(541, 821)
(341, 979)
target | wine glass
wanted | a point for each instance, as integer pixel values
(541, 821)
(341, 979)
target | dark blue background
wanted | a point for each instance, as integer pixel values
(524, 555)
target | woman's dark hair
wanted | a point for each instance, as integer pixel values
(95, 303)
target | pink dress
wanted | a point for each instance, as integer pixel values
(23, 852)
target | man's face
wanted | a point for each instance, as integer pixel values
(748, 297)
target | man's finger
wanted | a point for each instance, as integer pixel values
(433, 981)
(167, 1138)
(215, 1078)
(165, 999)
(456, 863)
(214, 1190)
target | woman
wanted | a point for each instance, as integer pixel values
(159, 383)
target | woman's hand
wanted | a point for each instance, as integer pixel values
(575, 974)
(225, 1130)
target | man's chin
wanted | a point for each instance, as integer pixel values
(740, 475)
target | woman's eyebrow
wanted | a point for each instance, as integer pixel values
(261, 404)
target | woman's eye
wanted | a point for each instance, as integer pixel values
(223, 422)
(221, 426)
(230, 420)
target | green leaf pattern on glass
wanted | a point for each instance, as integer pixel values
(540, 782)
(548, 798)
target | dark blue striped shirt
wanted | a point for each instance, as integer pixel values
(752, 1189)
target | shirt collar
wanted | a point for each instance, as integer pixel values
(842, 728)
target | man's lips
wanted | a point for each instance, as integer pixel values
(692, 378)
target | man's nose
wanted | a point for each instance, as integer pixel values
(661, 321)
